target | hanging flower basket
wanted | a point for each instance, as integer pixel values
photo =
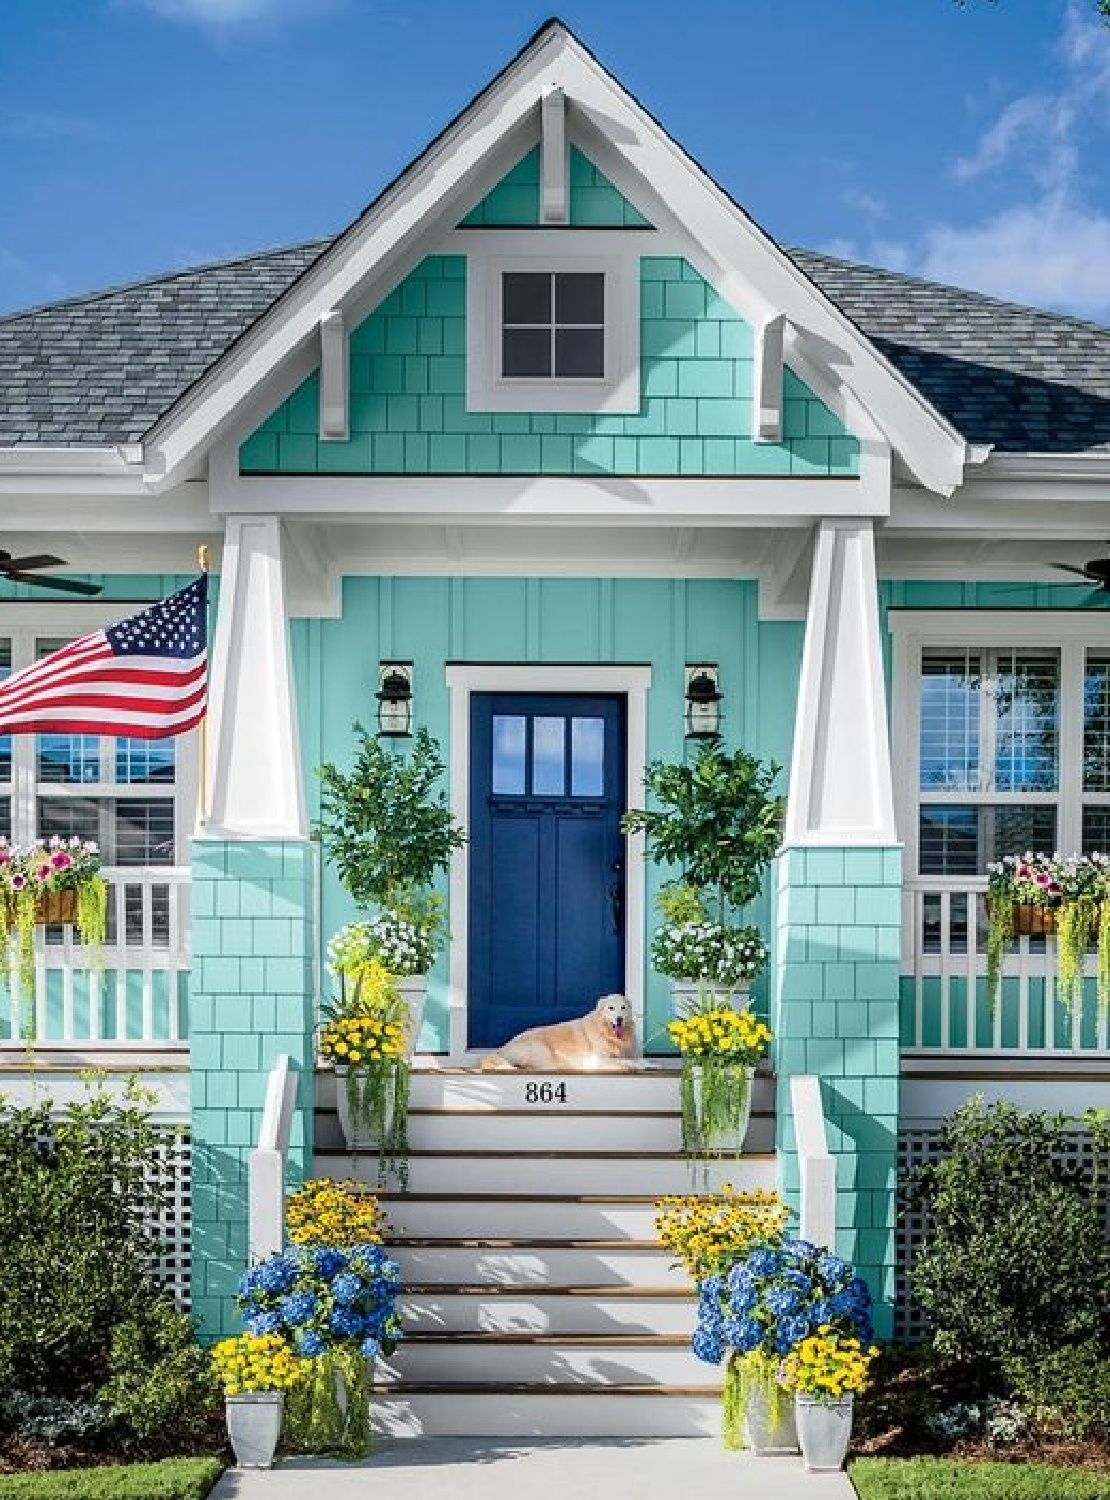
(1066, 898)
(57, 909)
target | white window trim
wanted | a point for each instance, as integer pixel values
(24, 624)
(489, 257)
(631, 681)
(912, 632)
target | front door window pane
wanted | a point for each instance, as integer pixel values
(508, 778)
(548, 756)
(587, 757)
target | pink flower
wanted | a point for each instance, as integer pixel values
(60, 861)
(18, 882)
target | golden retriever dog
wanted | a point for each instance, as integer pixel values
(605, 1038)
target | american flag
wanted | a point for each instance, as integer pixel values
(145, 677)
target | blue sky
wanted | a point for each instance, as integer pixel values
(139, 136)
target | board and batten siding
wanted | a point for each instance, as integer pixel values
(661, 623)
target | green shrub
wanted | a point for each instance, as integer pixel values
(173, 1479)
(1067, 1390)
(161, 1394)
(1015, 1264)
(73, 1205)
(949, 1479)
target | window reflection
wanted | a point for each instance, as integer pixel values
(508, 755)
(587, 757)
(548, 757)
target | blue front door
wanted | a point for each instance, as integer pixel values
(546, 858)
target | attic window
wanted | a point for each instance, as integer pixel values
(553, 325)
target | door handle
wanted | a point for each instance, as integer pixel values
(616, 900)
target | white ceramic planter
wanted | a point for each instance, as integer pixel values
(725, 1140)
(769, 1423)
(414, 989)
(690, 995)
(357, 1137)
(254, 1426)
(824, 1431)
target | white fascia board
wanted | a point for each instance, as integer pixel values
(930, 446)
(1072, 509)
(102, 506)
(401, 212)
(460, 499)
(25, 458)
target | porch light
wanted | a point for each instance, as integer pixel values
(394, 699)
(703, 699)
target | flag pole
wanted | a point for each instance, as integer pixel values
(202, 727)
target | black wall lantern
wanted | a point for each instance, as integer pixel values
(394, 699)
(703, 703)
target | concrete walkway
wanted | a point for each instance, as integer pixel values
(539, 1469)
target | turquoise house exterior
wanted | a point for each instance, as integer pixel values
(552, 423)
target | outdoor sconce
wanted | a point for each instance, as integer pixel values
(394, 699)
(703, 700)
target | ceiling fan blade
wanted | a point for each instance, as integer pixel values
(28, 564)
(1071, 568)
(65, 585)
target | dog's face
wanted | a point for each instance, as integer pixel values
(616, 1016)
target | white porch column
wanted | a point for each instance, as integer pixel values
(254, 772)
(840, 782)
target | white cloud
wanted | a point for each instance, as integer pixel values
(1050, 246)
(225, 14)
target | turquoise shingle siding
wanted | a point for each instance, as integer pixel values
(252, 995)
(836, 1005)
(408, 411)
(594, 202)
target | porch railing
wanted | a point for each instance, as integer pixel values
(135, 995)
(945, 1007)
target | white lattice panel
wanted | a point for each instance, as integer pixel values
(169, 1174)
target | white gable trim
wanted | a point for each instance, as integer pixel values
(437, 183)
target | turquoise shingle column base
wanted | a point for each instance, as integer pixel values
(837, 961)
(251, 999)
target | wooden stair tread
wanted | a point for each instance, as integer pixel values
(547, 1388)
(501, 1289)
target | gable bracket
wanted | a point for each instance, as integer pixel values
(768, 375)
(554, 158)
(333, 378)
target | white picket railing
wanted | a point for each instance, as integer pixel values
(944, 941)
(133, 995)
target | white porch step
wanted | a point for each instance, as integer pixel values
(542, 1359)
(572, 1411)
(574, 1216)
(638, 1173)
(564, 1310)
(532, 1264)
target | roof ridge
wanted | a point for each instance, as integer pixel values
(947, 286)
(83, 299)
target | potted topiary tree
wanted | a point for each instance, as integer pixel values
(389, 833)
(720, 820)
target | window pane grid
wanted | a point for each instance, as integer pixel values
(553, 325)
(1096, 724)
(1026, 695)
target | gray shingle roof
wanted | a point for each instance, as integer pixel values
(102, 369)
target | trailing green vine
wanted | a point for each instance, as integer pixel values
(1076, 923)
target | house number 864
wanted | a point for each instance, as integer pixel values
(545, 1093)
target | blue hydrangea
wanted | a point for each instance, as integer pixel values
(310, 1343)
(369, 1348)
(298, 1308)
(820, 1312)
(799, 1249)
(710, 1289)
(740, 1276)
(789, 1332)
(798, 1280)
(272, 1276)
(744, 1298)
(328, 1263)
(859, 1291)
(347, 1288)
(347, 1323)
(708, 1344)
(780, 1300)
(763, 1263)
(832, 1270)
(264, 1322)
(745, 1334)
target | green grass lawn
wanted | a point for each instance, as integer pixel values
(947, 1479)
(173, 1479)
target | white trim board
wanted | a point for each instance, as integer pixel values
(524, 677)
